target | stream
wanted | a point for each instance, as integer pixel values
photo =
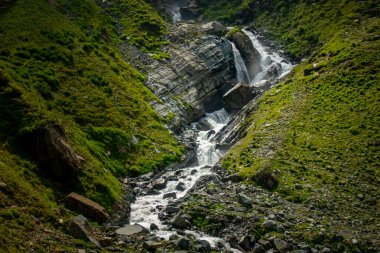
(146, 210)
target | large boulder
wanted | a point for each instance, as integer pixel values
(249, 53)
(80, 228)
(87, 207)
(130, 230)
(214, 28)
(237, 97)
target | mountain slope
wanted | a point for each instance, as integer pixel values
(60, 68)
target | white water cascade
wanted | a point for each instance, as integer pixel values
(144, 209)
(267, 61)
(241, 70)
(176, 14)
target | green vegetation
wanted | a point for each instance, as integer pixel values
(319, 128)
(59, 64)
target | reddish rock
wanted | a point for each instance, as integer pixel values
(87, 207)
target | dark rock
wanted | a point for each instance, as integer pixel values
(87, 207)
(235, 178)
(259, 249)
(3, 186)
(183, 244)
(159, 184)
(204, 125)
(246, 242)
(244, 199)
(202, 246)
(173, 237)
(281, 245)
(154, 227)
(237, 97)
(54, 155)
(181, 221)
(214, 28)
(266, 178)
(170, 195)
(129, 230)
(210, 133)
(106, 241)
(270, 225)
(80, 228)
(193, 172)
(299, 251)
(172, 209)
(180, 187)
(152, 245)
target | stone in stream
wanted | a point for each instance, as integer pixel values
(180, 187)
(193, 172)
(183, 244)
(154, 227)
(170, 195)
(172, 209)
(159, 184)
(129, 230)
(202, 246)
(181, 221)
(244, 199)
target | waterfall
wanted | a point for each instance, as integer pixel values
(241, 70)
(268, 61)
(176, 16)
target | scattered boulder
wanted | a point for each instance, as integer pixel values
(244, 199)
(270, 225)
(172, 209)
(280, 245)
(130, 230)
(170, 195)
(87, 207)
(152, 245)
(237, 97)
(180, 186)
(259, 249)
(266, 178)
(202, 246)
(181, 221)
(80, 228)
(246, 242)
(159, 184)
(214, 28)
(183, 243)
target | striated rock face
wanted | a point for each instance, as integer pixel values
(194, 79)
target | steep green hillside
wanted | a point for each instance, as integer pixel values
(318, 130)
(59, 65)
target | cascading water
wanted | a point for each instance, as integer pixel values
(176, 14)
(144, 209)
(268, 61)
(241, 70)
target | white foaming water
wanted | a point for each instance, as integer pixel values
(241, 70)
(267, 61)
(176, 16)
(144, 209)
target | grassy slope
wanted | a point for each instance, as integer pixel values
(320, 126)
(59, 63)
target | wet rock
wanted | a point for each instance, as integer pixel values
(204, 125)
(237, 97)
(80, 228)
(170, 195)
(202, 246)
(183, 244)
(172, 209)
(258, 249)
(280, 245)
(181, 221)
(87, 207)
(214, 28)
(193, 172)
(153, 227)
(159, 184)
(180, 186)
(173, 237)
(210, 133)
(129, 230)
(244, 199)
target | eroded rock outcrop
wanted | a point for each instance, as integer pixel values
(194, 79)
